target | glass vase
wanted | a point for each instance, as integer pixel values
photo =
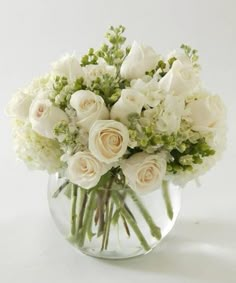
(112, 221)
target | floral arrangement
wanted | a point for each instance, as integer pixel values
(119, 117)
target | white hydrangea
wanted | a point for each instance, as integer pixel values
(36, 151)
(92, 72)
(216, 142)
(150, 89)
(20, 103)
(39, 85)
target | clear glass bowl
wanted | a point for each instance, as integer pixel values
(113, 225)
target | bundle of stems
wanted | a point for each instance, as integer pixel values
(94, 211)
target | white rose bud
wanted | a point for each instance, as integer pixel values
(144, 172)
(69, 67)
(19, 105)
(181, 79)
(108, 140)
(139, 60)
(130, 101)
(206, 113)
(85, 170)
(89, 107)
(43, 116)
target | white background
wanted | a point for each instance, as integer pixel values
(202, 246)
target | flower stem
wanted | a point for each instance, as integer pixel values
(82, 205)
(73, 209)
(105, 206)
(130, 221)
(166, 196)
(100, 207)
(109, 225)
(126, 226)
(87, 218)
(60, 189)
(154, 229)
(109, 212)
(90, 223)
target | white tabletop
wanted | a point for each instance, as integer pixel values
(202, 246)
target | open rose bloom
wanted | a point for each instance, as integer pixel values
(116, 126)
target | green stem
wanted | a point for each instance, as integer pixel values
(130, 221)
(82, 205)
(154, 229)
(126, 226)
(122, 200)
(73, 209)
(108, 226)
(105, 227)
(60, 189)
(87, 218)
(90, 223)
(100, 206)
(166, 196)
(105, 205)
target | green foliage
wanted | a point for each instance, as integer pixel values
(79, 85)
(186, 147)
(147, 138)
(68, 136)
(171, 61)
(112, 51)
(59, 83)
(62, 91)
(193, 154)
(90, 58)
(162, 67)
(191, 53)
(109, 88)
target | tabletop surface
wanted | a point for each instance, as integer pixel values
(202, 245)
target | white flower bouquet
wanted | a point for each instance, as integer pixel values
(120, 121)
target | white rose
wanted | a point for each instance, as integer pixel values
(69, 67)
(89, 108)
(43, 116)
(92, 72)
(139, 60)
(182, 57)
(170, 118)
(144, 172)
(85, 170)
(206, 113)
(181, 79)
(150, 89)
(19, 105)
(130, 101)
(108, 140)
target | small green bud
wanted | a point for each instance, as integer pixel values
(91, 51)
(186, 160)
(171, 61)
(132, 134)
(144, 142)
(148, 130)
(182, 147)
(157, 140)
(161, 64)
(197, 159)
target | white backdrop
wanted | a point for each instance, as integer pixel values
(202, 247)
